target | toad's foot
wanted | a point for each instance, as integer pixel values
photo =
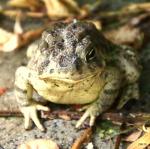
(30, 114)
(92, 111)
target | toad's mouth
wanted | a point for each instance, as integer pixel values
(69, 77)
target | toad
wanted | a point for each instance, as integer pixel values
(75, 64)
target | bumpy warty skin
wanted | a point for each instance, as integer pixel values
(75, 64)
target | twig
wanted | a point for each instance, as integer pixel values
(117, 118)
(10, 113)
(14, 13)
(119, 137)
(85, 136)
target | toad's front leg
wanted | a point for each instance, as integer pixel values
(24, 92)
(112, 78)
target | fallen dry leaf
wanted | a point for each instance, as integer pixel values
(97, 23)
(126, 35)
(133, 136)
(14, 13)
(39, 144)
(11, 41)
(128, 10)
(61, 8)
(64, 116)
(31, 4)
(8, 41)
(139, 6)
(31, 35)
(4, 36)
(141, 143)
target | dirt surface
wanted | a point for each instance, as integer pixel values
(56, 130)
(8, 64)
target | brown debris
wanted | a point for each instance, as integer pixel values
(8, 41)
(12, 41)
(85, 137)
(136, 119)
(133, 136)
(64, 116)
(126, 35)
(39, 144)
(127, 11)
(14, 13)
(30, 36)
(97, 23)
(139, 6)
(31, 4)
(9, 113)
(15, 41)
(57, 9)
(141, 143)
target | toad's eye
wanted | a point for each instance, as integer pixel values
(90, 55)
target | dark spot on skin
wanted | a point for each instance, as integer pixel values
(74, 43)
(55, 53)
(110, 91)
(69, 35)
(78, 64)
(53, 33)
(20, 90)
(29, 75)
(74, 26)
(63, 62)
(42, 66)
(115, 84)
(62, 132)
(45, 63)
(123, 71)
(127, 56)
(56, 84)
(51, 70)
(45, 80)
(43, 46)
(59, 45)
(71, 86)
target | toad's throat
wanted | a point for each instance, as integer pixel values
(67, 91)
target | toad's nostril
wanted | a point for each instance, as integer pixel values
(78, 64)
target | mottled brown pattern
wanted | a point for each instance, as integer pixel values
(75, 64)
